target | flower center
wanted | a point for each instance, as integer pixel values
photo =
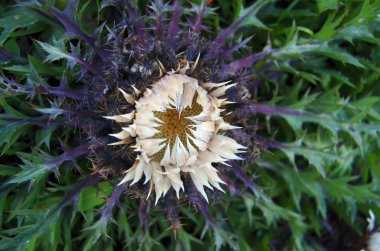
(175, 124)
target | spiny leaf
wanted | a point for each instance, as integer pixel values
(56, 51)
(293, 49)
(35, 166)
(44, 135)
(329, 28)
(357, 32)
(368, 11)
(338, 54)
(252, 19)
(316, 158)
(53, 111)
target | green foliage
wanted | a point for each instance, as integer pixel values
(15, 19)
(327, 173)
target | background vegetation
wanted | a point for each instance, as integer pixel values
(312, 193)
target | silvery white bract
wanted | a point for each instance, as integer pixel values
(177, 126)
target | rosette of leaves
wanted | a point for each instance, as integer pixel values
(305, 99)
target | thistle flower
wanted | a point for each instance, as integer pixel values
(165, 92)
(175, 119)
(177, 127)
(162, 109)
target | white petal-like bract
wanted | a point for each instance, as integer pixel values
(176, 125)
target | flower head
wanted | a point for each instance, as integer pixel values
(167, 95)
(152, 105)
(177, 126)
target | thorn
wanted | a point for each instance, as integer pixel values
(196, 63)
(130, 99)
(208, 2)
(174, 228)
(137, 91)
(178, 68)
(162, 68)
(161, 73)
(151, 184)
(175, 233)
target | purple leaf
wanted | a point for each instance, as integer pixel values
(171, 209)
(40, 121)
(231, 185)
(241, 136)
(6, 56)
(262, 108)
(138, 23)
(196, 198)
(236, 46)
(112, 201)
(174, 21)
(239, 173)
(249, 139)
(227, 32)
(143, 213)
(233, 67)
(67, 19)
(158, 15)
(53, 212)
(10, 87)
(61, 91)
(198, 19)
(268, 143)
(71, 155)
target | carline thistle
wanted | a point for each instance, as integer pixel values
(156, 102)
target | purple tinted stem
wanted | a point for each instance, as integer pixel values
(72, 193)
(270, 110)
(241, 176)
(143, 213)
(112, 201)
(71, 155)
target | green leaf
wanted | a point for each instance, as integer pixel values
(56, 51)
(54, 111)
(252, 20)
(10, 133)
(91, 197)
(43, 136)
(338, 54)
(98, 229)
(186, 239)
(368, 11)
(316, 158)
(17, 18)
(329, 28)
(357, 32)
(294, 50)
(39, 67)
(324, 5)
(30, 172)
(6, 170)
